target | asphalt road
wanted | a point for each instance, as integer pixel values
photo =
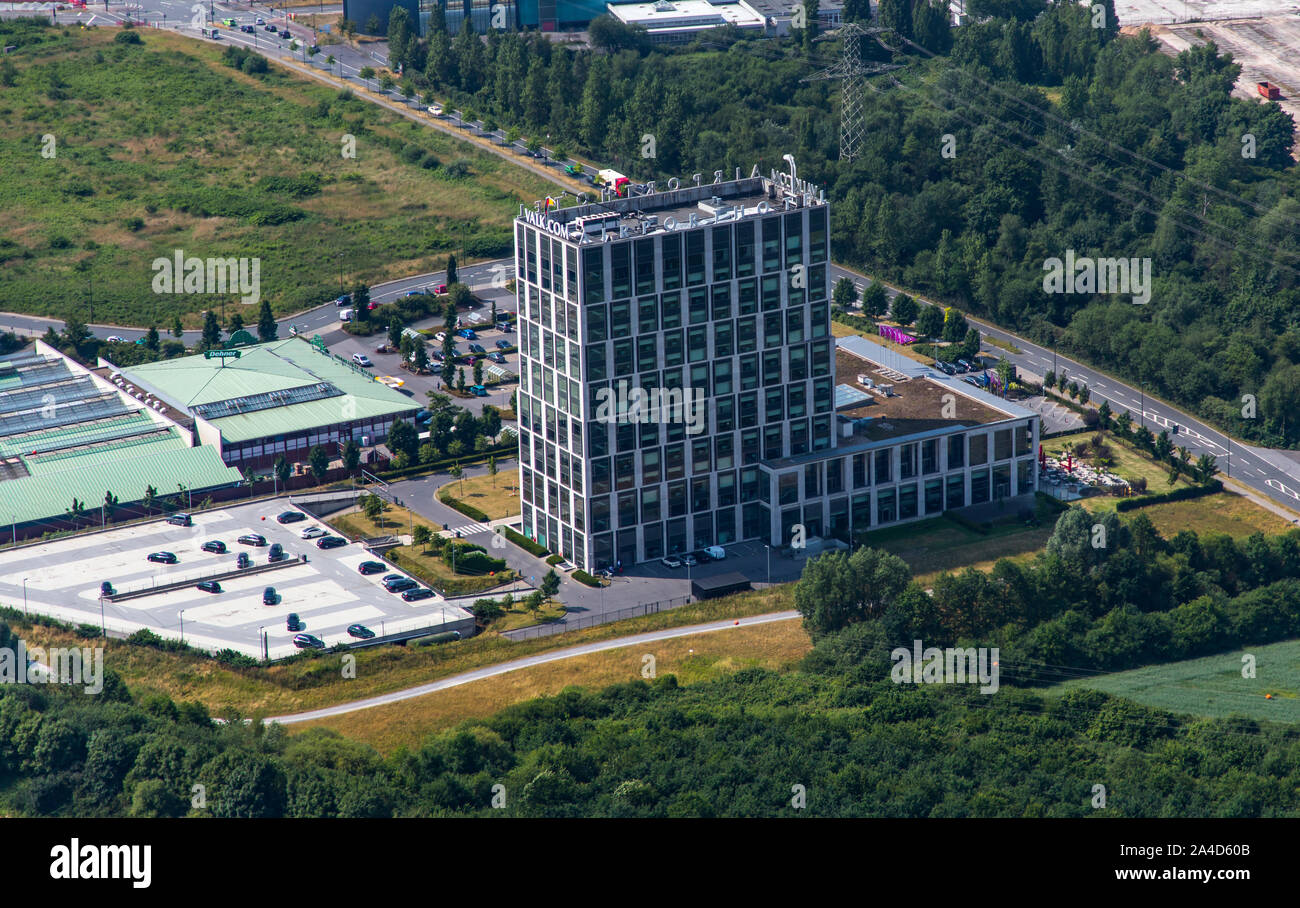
(540, 659)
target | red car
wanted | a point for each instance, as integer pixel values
(441, 288)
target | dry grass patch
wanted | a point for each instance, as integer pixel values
(497, 496)
(699, 657)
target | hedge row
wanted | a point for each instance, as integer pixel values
(508, 448)
(583, 577)
(1183, 494)
(525, 543)
(464, 507)
(554, 559)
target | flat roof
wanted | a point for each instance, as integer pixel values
(272, 389)
(64, 436)
(667, 16)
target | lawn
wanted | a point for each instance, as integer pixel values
(496, 496)
(162, 147)
(931, 547)
(1128, 463)
(699, 657)
(424, 565)
(1213, 686)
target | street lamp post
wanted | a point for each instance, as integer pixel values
(24, 597)
(769, 563)
(182, 625)
(102, 629)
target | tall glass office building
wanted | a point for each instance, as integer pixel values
(719, 292)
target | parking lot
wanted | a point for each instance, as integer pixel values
(346, 345)
(327, 592)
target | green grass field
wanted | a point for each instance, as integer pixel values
(162, 146)
(1213, 686)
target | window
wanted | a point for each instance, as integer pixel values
(745, 248)
(700, 496)
(647, 314)
(724, 414)
(907, 501)
(812, 480)
(771, 293)
(1002, 444)
(623, 357)
(697, 344)
(746, 335)
(773, 442)
(596, 366)
(798, 404)
(645, 266)
(886, 506)
(701, 455)
(979, 451)
(773, 405)
(793, 239)
(817, 234)
(859, 470)
(722, 253)
(956, 452)
(956, 491)
(726, 489)
(673, 353)
(620, 269)
(834, 476)
(861, 511)
(884, 467)
(907, 461)
(772, 244)
(722, 376)
(721, 302)
(620, 318)
(695, 257)
(798, 438)
(627, 509)
(650, 504)
(675, 461)
(930, 456)
(600, 514)
(650, 463)
(676, 499)
(597, 324)
(699, 305)
(771, 367)
(798, 363)
(772, 329)
(1024, 440)
(1002, 480)
(647, 353)
(788, 488)
(794, 326)
(671, 304)
(722, 338)
(747, 296)
(672, 262)
(979, 486)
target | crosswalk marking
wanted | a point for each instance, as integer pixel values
(470, 529)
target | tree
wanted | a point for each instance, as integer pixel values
(151, 339)
(451, 270)
(400, 38)
(1104, 414)
(550, 585)
(930, 321)
(954, 326)
(456, 472)
(478, 371)
(147, 499)
(490, 421)
(535, 601)
(971, 346)
(282, 471)
(404, 438)
(838, 589)
(177, 329)
(76, 511)
(460, 380)
(211, 331)
(904, 309)
(373, 506)
(110, 502)
(1123, 423)
(373, 25)
(420, 356)
(492, 470)
(236, 322)
(395, 328)
(420, 536)
(875, 302)
(351, 456)
(366, 73)
(319, 462)
(266, 327)
(1206, 466)
(1006, 372)
(1049, 380)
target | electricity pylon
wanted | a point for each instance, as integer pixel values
(852, 74)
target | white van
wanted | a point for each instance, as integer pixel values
(345, 315)
(716, 552)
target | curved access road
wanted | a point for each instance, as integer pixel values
(489, 671)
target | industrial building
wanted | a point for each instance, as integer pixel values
(678, 21)
(569, 15)
(254, 404)
(719, 294)
(67, 433)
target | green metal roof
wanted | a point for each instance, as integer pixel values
(276, 366)
(49, 494)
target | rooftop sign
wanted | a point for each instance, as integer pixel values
(221, 354)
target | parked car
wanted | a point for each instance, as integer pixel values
(270, 27)
(504, 344)
(400, 585)
(345, 315)
(180, 520)
(260, 21)
(716, 552)
(163, 558)
(362, 360)
(270, 596)
(307, 641)
(291, 517)
(503, 326)
(284, 33)
(440, 336)
(243, 561)
(496, 357)
(437, 355)
(215, 546)
(388, 577)
(478, 390)
(441, 288)
(208, 586)
(702, 557)
(370, 567)
(331, 542)
(417, 594)
(106, 589)
(689, 560)
(360, 631)
(252, 539)
(313, 533)
(476, 348)
(293, 622)
(275, 553)
(435, 110)
(467, 333)
(671, 561)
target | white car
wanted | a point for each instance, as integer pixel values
(362, 360)
(436, 110)
(114, 339)
(440, 336)
(345, 315)
(313, 532)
